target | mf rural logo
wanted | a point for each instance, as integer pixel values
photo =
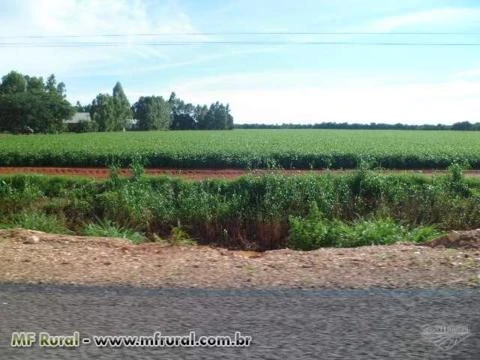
(445, 337)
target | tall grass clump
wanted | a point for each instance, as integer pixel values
(36, 221)
(255, 212)
(109, 229)
(316, 231)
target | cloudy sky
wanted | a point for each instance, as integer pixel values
(268, 83)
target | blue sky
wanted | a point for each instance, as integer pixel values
(262, 83)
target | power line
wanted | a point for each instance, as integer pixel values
(278, 33)
(198, 43)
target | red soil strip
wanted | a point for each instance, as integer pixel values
(102, 173)
(194, 174)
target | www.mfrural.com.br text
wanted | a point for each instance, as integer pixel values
(24, 339)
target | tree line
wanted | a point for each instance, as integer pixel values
(30, 105)
(463, 125)
(114, 113)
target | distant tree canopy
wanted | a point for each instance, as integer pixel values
(186, 116)
(465, 125)
(30, 104)
(217, 117)
(27, 104)
(183, 115)
(152, 113)
(111, 112)
(82, 108)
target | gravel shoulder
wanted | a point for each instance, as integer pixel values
(34, 257)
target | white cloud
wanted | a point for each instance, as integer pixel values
(441, 16)
(88, 19)
(357, 101)
(469, 73)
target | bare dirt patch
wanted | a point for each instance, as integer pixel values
(469, 239)
(36, 257)
(194, 174)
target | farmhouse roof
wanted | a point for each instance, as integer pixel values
(78, 117)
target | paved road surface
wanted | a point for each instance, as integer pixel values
(284, 324)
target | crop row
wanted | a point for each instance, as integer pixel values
(300, 149)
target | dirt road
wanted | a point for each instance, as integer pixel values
(194, 174)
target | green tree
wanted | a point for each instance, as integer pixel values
(464, 125)
(183, 114)
(152, 113)
(187, 116)
(25, 103)
(111, 112)
(229, 124)
(42, 112)
(82, 108)
(102, 111)
(61, 89)
(13, 82)
(183, 121)
(172, 100)
(51, 85)
(123, 111)
(200, 115)
(35, 84)
(217, 117)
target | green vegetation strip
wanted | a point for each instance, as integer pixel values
(274, 211)
(300, 149)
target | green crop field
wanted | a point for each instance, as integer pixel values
(301, 149)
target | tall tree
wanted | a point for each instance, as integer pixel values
(152, 113)
(51, 85)
(102, 111)
(229, 121)
(200, 116)
(172, 99)
(111, 112)
(61, 89)
(123, 111)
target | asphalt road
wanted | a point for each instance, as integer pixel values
(283, 324)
